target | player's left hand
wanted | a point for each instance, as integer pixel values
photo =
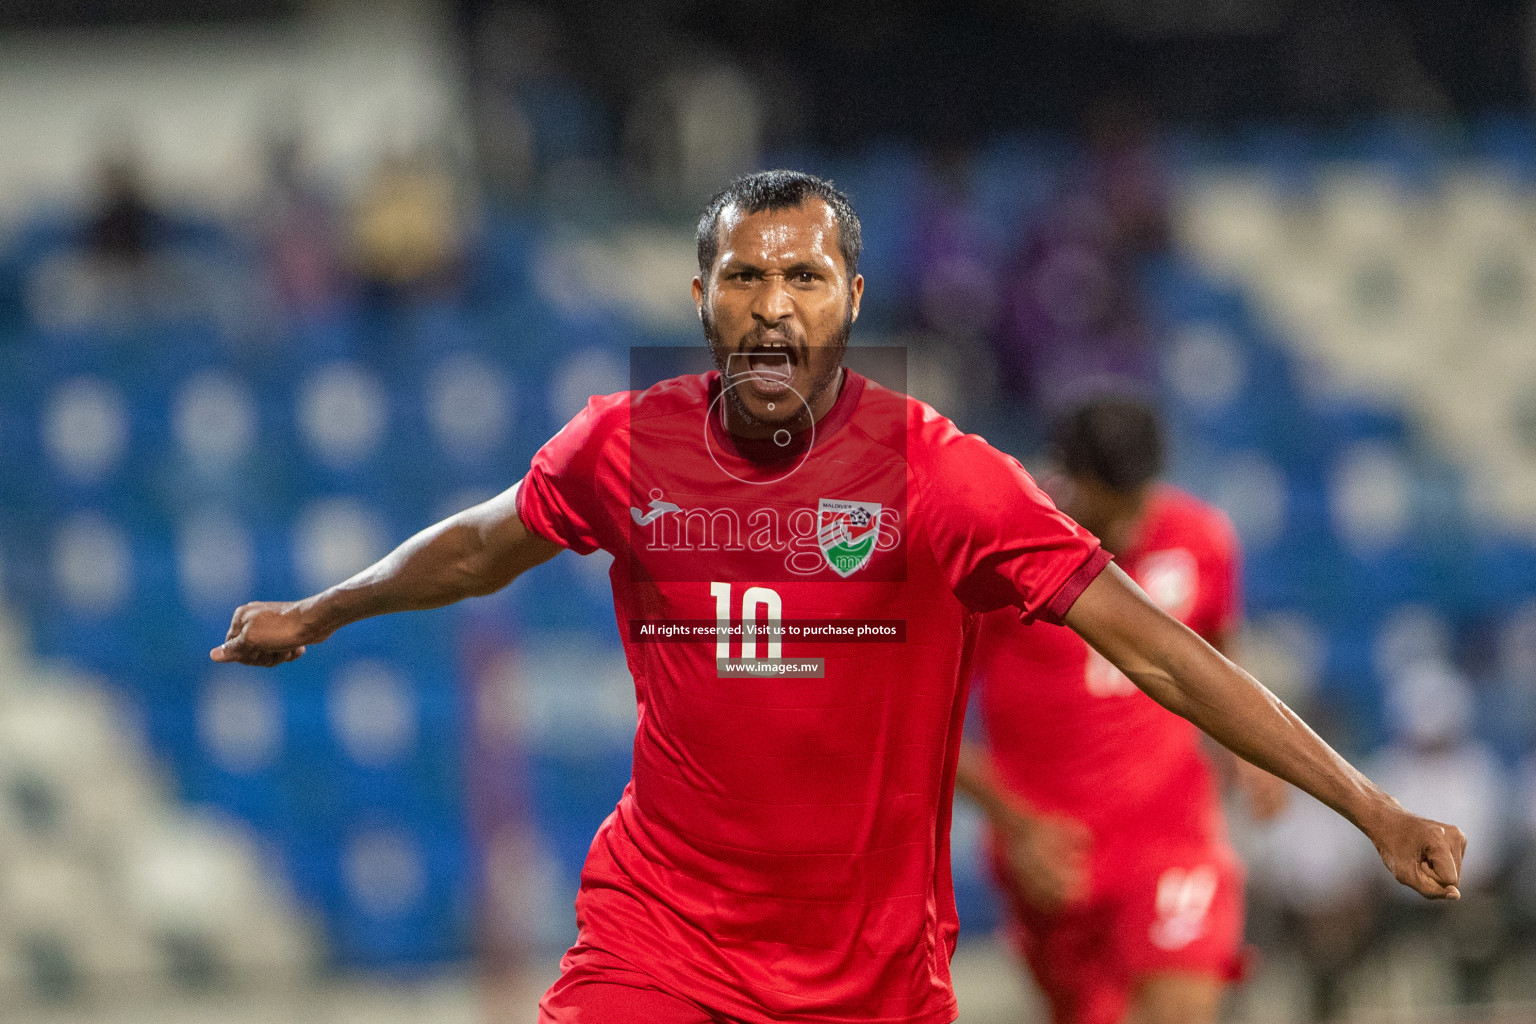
(1424, 855)
(1048, 857)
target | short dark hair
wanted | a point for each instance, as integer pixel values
(1114, 439)
(779, 190)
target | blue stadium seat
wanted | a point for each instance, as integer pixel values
(1509, 141)
(1494, 573)
(580, 608)
(1346, 421)
(1182, 294)
(395, 898)
(400, 930)
(568, 121)
(1412, 150)
(1287, 153)
(44, 234)
(254, 796)
(571, 794)
(338, 333)
(95, 581)
(1398, 575)
(503, 255)
(1270, 580)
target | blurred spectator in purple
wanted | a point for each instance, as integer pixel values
(299, 233)
(1071, 321)
(1125, 171)
(949, 281)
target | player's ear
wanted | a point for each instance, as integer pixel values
(855, 295)
(698, 296)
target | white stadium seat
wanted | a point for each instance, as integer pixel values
(1424, 299)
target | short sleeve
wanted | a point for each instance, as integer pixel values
(559, 497)
(997, 537)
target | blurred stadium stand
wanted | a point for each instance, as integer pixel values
(1354, 401)
(1339, 326)
(109, 885)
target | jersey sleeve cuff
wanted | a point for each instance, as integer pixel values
(1055, 610)
(528, 512)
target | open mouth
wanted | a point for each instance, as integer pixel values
(769, 368)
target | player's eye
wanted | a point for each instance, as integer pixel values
(807, 277)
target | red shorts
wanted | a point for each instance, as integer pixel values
(595, 988)
(1182, 912)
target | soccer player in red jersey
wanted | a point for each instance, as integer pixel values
(781, 852)
(1108, 842)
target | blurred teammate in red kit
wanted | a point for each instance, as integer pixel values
(1120, 890)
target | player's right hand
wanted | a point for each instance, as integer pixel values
(1048, 858)
(265, 633)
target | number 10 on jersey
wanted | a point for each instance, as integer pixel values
(755, 598)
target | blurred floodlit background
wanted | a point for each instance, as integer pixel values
(283, 281)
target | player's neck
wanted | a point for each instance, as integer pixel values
(828, 398)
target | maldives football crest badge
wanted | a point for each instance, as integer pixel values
(846, 531)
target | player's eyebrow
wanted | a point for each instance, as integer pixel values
(736, 265)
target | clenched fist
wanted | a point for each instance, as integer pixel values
(266, 633)
(1424, 855)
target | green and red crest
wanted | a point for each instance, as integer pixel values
(847, 531)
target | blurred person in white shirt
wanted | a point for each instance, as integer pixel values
(1316, 879)
(1435, 762)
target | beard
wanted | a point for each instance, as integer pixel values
(721, 354)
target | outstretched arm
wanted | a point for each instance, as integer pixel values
(1188, 677)
(475, 552)
(1266, 795)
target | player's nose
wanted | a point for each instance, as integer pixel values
(773, 302)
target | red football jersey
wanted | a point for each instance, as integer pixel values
(1069, 732)
(781, 850)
